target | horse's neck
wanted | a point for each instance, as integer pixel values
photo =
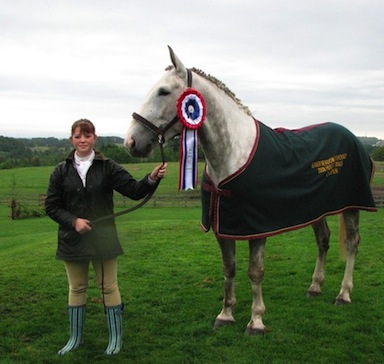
(226, 137)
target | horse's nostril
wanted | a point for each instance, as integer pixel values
(130, 143)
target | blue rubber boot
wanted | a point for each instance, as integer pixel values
(76, 328)
(115, 328)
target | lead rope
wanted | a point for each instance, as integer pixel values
(126, 211)
(142, 203)
(160, 132)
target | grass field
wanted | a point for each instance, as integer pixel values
(171, 281)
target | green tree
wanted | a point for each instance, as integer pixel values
(378, 154)
(117, 153)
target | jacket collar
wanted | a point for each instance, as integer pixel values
(98, 156)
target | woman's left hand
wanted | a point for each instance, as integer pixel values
(158, 172)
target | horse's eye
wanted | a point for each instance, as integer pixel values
(163, 92)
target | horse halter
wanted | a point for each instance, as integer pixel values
(160, 138)
(160, 131)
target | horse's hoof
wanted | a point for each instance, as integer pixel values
(220, 323)
(255, 332)
(340, 302)
(312, 294)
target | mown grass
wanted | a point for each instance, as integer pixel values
(35, 179)
(171, 281)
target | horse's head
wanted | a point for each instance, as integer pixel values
(158, 111)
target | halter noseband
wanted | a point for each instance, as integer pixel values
(159, 131)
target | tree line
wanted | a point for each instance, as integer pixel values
(24, 152)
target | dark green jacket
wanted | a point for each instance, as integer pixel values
(67, 200)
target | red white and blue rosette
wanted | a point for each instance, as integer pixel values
(191, 111)
(191, 108)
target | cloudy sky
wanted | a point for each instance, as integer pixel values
(293, 63)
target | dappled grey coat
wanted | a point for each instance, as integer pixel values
(67, 199)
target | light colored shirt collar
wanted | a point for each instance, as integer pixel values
(89, 158)
(82, 165)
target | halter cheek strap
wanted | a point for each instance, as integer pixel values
(189, 77)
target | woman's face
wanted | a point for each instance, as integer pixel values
(83, 142)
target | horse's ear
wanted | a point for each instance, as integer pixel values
(180, 68)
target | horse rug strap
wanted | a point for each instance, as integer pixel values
(292, 179)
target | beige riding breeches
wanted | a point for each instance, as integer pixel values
(106, 277)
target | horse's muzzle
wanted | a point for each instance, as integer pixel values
(135, 150)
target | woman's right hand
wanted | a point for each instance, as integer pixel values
(82, 226)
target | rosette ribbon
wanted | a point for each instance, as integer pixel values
(191, 111)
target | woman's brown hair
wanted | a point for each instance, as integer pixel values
(86, 126)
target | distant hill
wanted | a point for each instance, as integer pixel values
(372, 141)
(29, 152)
(60, 143)
(103, 140)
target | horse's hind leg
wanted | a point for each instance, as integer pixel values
(228, 250)
(322, 234)
(351, 218)
(256, 275)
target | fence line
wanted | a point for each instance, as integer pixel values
(378, 195)
(182, 199)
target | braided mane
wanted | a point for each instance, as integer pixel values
(221, 85)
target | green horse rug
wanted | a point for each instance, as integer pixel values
(292, 179)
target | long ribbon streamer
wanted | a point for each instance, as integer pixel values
(188, 159)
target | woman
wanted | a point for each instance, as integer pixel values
(80, 191)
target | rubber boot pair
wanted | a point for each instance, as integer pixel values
(76, 328)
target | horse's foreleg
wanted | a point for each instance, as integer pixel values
(351, 218)
(322, 235)
(256, 275)
(228, 250)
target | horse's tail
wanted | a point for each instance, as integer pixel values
(342, 236)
